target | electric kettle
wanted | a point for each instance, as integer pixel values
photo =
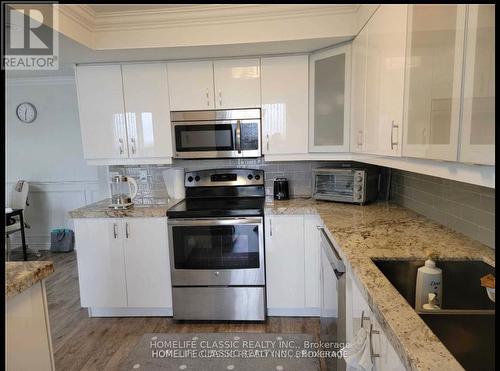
(123, 191)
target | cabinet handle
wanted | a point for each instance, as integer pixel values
(208, 100)
(132, 142)
(372, 331)
(220, 97)
(115, 231)
(270, 227)
(120, 141)
(393, 143)
(360, 136)
(267, 141)
(126, 230)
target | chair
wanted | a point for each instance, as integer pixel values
(18, 200)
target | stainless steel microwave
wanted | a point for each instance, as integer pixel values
(216, 133)
(354, 185)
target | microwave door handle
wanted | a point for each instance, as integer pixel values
(238, 136)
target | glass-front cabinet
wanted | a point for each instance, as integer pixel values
(478, 111)
(329, 98)
(434, 63)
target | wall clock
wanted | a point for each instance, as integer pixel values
(26, 112)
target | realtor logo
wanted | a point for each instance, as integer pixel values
(30, 41)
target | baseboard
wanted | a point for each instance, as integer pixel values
(293, 312)
(130, 312)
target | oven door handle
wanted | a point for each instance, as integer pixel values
(218, 221)
(238, 136)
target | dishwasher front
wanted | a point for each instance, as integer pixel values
(333, 301)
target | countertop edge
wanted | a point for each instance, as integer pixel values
(20, 276)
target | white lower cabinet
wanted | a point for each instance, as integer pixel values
(292, 265)
(123, 263)
(386, 357)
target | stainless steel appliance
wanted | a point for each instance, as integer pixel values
(123, 190)
(333, 300)
(346, 184)
(280, 189)
(216, 133)
(216, 244)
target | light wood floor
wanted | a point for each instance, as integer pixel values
(83, 343)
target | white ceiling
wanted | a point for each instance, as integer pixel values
(71, 52)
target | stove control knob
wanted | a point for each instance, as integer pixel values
(250, 176)
(217, 274)
(359, 178)
(190, 179)
(197, 178)
(257, 177)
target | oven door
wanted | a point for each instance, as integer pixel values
(216, 251)
(212, 139)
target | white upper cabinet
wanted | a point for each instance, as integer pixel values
(433, 82)
(147, 110)
(385, 72)
(478, 120)
(102, 114)
(191, 85)
(285, 104)
(329, 97)
(237, 83)
(358, 90)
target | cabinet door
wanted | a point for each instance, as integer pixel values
(312, 266)
(433, 79)
(388, 359)
(385, 67)
(330, 95)
(237, 83)
(285, 262)
(147, 263)
(191, 85)
(358, 91)
(147, 110)
(102, 117)
(478, 120)
(101, 267)
(285, 104)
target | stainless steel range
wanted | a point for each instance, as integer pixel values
(216, 243)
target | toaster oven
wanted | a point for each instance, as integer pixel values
(354, 185)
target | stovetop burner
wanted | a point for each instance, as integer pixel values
(221, 193)
(220, 207)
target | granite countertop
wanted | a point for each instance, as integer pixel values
(387, 231)
(20, 276)
(100, 209)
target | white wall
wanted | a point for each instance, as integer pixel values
(48, 154)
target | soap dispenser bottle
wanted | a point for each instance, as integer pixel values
(429, 281)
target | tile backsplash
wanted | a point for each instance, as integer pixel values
(150, 180)
(465, 208)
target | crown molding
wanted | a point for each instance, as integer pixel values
(93, 21)
(82, 14)
(40, 80)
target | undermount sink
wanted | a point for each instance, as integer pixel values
(466, 325)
